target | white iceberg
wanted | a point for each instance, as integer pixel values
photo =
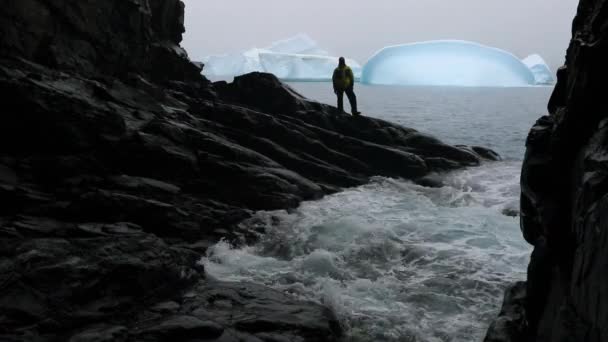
(232, 64)
(542, 73)
(299, 67)
(446, 63)
(296, 59)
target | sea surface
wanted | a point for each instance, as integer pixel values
(394, 260)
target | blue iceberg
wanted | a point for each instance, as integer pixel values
(298, 58)
(541, 71)
(446, 63)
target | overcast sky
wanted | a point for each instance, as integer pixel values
(358, 28)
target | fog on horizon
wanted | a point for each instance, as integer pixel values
(357, 29)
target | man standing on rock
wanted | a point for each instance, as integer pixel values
(344, 82)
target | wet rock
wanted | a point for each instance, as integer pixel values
(430, 181)
(483, 152)
(101, 333)
(166, 307)
(564, 202)
(510, 212)
(31, 226)
(180, 328)
(154, 216)
(261, 312)
(87, 281)
(23, 306)
(511, 324)
(144, 185)
(7, 176)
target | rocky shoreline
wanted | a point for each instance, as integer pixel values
(120, 164)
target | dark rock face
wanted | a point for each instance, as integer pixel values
(111, 37)
(120, 164)
(564, 206)
(511, 324)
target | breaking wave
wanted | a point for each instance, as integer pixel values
(396, 261)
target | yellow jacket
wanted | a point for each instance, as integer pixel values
(343, 78)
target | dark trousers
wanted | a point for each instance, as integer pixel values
(352, 98)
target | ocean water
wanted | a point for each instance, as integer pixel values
(394, 260)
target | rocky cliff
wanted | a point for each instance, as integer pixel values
(95, 38)
(564, 206)
(120, 164)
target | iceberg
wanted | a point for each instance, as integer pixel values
(298, 58)
(301, 67)
(541, 71)
(446, 63)
(232, 64)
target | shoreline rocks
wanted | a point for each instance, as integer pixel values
(120, 164)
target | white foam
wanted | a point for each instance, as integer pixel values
(394, 260)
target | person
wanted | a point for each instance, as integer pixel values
(344, 82)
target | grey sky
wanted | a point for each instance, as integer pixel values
(358, 28)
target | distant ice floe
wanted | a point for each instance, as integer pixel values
(542, 73)
(298, 58)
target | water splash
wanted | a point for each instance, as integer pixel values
(396, 261)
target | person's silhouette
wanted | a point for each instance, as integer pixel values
(344, 82)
